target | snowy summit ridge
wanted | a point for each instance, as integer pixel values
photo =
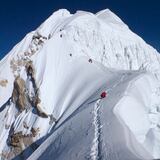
(81, 86)
(109, 17)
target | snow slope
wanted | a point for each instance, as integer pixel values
(102, 133)
(65, 65)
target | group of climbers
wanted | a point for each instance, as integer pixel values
(89, 60)
(104, 93)
(20, 99)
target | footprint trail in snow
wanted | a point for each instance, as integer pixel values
(97, 131)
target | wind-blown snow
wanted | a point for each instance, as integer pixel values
(76, 57)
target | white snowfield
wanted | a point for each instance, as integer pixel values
(76, 57)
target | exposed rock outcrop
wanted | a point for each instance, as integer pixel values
(23, 100)
(16, 140)
(30, 69)
(35, 131)
(3, 82)
(19, 95)
(18, 143)
(35, 100)
(40, 112)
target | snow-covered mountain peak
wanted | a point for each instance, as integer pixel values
(51, 87)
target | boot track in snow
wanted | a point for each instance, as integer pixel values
(95, 150)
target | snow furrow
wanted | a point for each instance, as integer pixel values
(97, 126)
(95, 150)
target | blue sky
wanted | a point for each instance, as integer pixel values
(18, 17)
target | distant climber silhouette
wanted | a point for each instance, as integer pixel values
(90, 60)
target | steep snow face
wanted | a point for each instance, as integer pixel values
(53, 22)
(117, 127)
(62, 68)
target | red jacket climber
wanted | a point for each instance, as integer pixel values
(103, 94)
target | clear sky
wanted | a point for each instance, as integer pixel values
(18, 17)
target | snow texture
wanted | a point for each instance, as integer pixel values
(75, 58)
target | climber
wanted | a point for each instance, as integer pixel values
(49, 36)
(103, 94)
(90, 60)
(70, 54)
